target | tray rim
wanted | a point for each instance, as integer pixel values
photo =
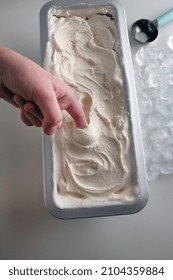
(48, 144)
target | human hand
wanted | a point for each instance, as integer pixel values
(39, 95)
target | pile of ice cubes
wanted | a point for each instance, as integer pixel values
(153, 68)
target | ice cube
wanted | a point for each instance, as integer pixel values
(170, 42)
(145, 104)
(154, 83)
(145, 55)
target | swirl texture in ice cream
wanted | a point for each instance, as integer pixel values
(93, 164)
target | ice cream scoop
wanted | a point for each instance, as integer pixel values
(146, 31)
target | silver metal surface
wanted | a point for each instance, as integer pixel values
(144, 31)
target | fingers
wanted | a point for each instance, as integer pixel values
(7, 95)
(19, 100)
(51, 112)
(29, 112)
(59, 97)
(25, 119)
(32, 119)
(68, 101)
(39, 95)
(50, 115)
(48, 111)
(31, 108)
(33, 114)
(74, 109)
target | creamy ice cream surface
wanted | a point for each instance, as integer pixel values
(93, 166)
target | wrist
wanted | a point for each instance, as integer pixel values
(3, 52)
(9, 63)
(3, 55)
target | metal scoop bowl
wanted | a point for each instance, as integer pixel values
(146, 31)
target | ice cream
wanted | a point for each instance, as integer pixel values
(93, 165)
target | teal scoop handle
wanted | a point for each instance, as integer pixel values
(165, 18)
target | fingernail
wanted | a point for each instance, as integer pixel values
(82, 125)
(52, 130)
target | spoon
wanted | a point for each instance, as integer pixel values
(146, 31)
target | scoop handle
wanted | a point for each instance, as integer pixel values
(165, 18)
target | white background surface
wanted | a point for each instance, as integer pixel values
(27, 230)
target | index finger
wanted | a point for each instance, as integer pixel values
(48, 105)
(67, 101)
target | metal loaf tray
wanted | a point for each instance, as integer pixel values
(49, 161)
